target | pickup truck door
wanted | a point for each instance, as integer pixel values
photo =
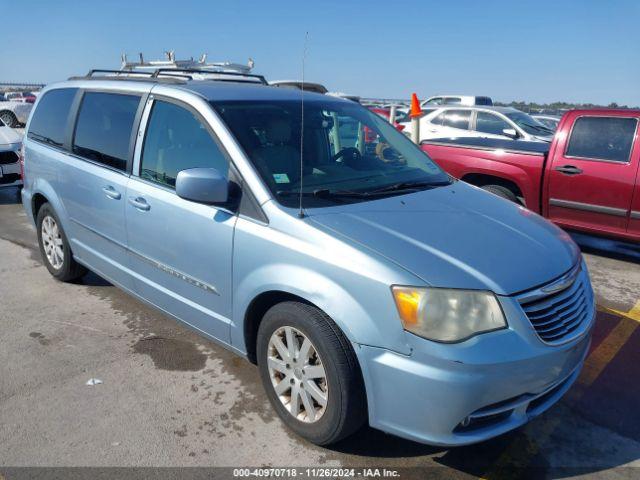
(592, 172)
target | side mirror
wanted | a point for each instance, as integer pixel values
(202, 185)
(511, 133)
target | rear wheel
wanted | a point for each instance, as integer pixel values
(501, 191)
(9, 119)
(54, 246)
(310, 373)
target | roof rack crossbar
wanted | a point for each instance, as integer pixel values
(120, 72)
(170, 72)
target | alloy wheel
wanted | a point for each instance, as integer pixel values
(52, 242)
(297, 374)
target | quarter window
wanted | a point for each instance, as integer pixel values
(49, 122)
(177, 140)
(490, 123)
(104, 127)
(602, 138)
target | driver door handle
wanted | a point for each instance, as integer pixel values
(140, 203)
(569, 170)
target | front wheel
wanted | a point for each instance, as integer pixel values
(9, 119)
(502, 192)
(310, 373)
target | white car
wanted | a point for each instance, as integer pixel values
(486, 122)
(10, 144)
(467, 100)
(13, 114)
(549, 121)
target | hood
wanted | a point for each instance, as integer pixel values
(8, 136)
(458, 236)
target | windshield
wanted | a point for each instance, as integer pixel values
(350, 153)
(528, 124)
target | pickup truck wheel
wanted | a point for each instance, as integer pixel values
(9, 119)
(310, 373)
(54, 247)
(501, 191)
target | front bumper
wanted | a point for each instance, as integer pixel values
(10, 175)
(458, 394)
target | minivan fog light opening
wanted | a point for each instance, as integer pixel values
(447, 315)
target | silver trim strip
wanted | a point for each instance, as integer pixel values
(589, 207)
(159, 265)
(476, 147)
(176, 273)
(635, 214)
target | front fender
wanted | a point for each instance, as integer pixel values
(350, 286)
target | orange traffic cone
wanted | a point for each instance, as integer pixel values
(416, 111)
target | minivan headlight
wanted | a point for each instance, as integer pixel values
(447, 315)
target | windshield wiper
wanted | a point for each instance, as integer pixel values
(402, 186)
(389, 189)
(42, 138)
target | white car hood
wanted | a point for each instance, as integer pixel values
(9, 136)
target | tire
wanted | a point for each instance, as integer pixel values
(61, 266)
(9, 118)
(345, 409)
(501, 191)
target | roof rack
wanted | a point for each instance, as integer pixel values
(170, 74)
(185, 72)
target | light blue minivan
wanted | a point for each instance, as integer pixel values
(308, 235)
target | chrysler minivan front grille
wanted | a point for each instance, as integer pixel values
(557, 310)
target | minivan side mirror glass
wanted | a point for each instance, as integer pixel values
(511, 132)
(202, 185)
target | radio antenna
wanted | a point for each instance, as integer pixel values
(304, 55)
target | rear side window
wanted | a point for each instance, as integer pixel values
(49, 122)
(490, 123)
(452, 100)
(177, 140)
(484, 101)
(602, 138)
(456, 118)
(104, 126)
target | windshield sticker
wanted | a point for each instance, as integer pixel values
(281, 177)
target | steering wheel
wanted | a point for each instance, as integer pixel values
(348, 154)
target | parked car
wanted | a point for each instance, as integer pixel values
(298, 85)
(365, 283)
(25, 97)
(457, 100)
(549, 121)
(485, 122)
(587, 179)
(13, 114)
(10, 167)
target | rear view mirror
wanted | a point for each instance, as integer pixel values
(203, 185)
(511, 132)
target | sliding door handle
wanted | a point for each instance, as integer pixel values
(111, 192)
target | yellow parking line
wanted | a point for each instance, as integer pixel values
(522, 449)
(607, 350)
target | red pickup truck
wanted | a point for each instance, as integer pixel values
(586, 179)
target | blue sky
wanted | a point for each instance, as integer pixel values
(543, 50)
